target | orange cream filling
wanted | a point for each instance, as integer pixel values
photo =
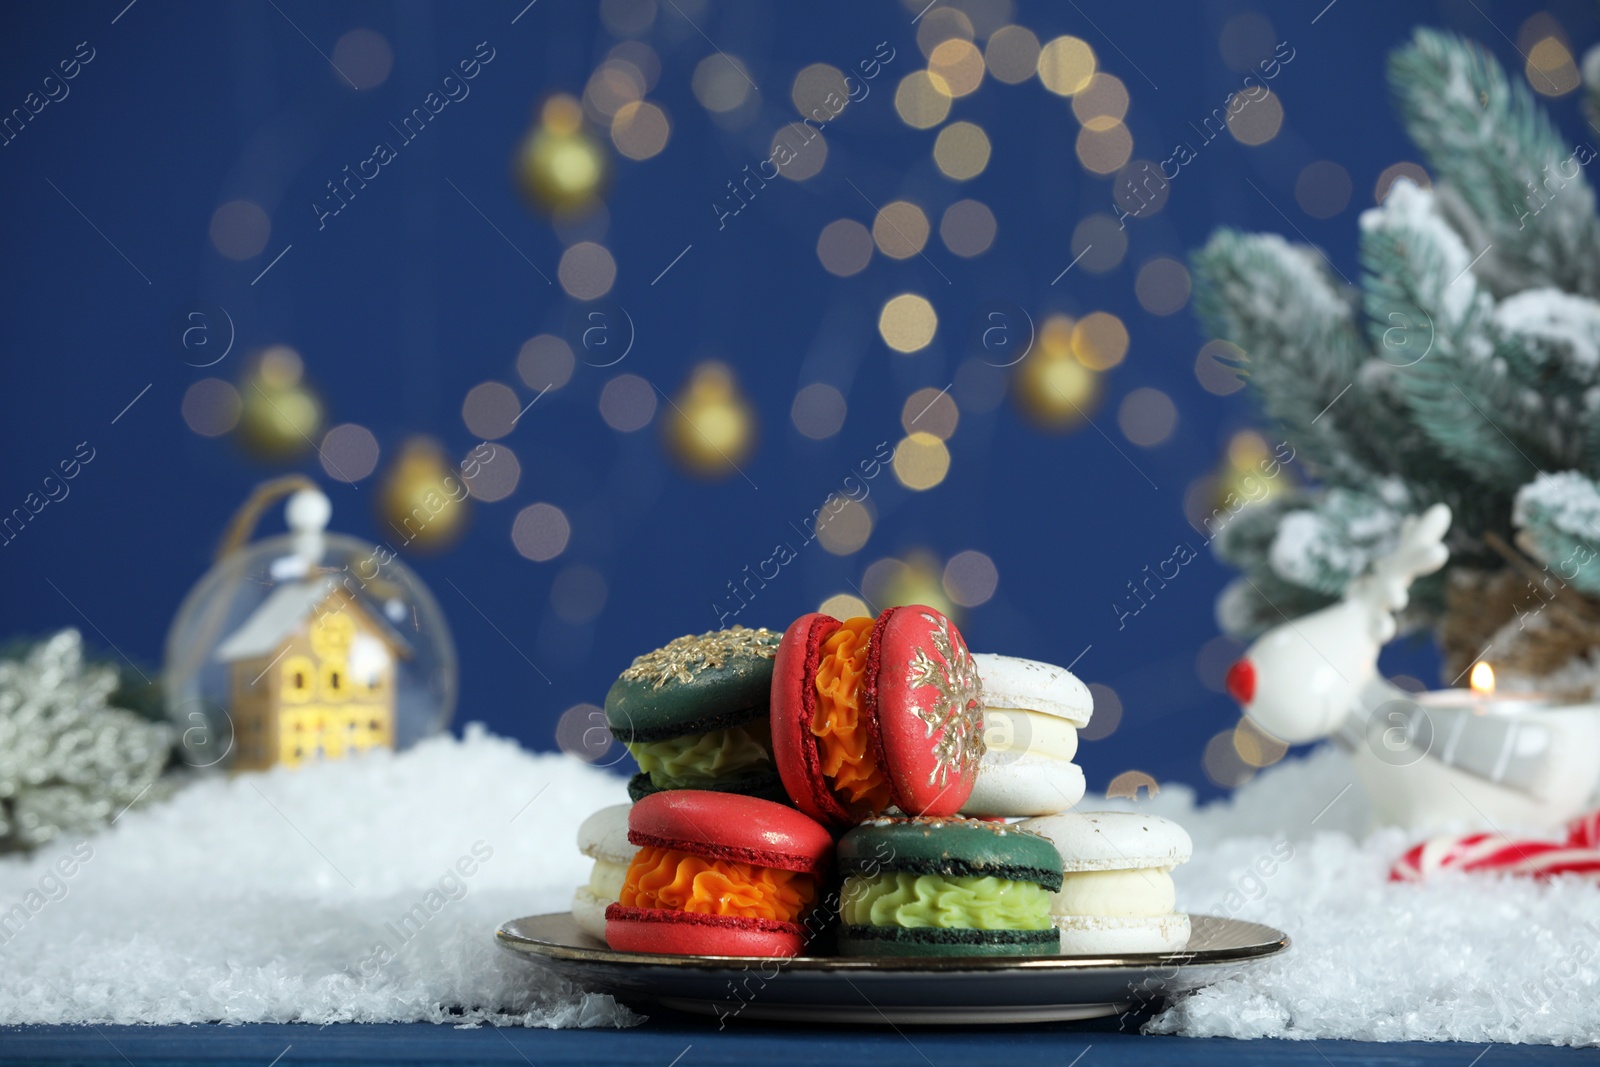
(665, 878)
(840, 727)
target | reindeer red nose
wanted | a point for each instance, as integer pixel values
(1241, 681)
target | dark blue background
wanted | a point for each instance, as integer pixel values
(408, 299)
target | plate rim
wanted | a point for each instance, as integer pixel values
(534, 948)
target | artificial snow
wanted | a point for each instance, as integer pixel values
(1567, 500)
(1565, 324)
(1470, 958)
(360, 891)
(341, 892)
(1408, 212)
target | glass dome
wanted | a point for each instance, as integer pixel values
(305, 647)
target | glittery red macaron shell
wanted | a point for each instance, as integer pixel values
(728, 826)
(928, 704)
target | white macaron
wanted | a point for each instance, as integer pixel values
(1116, 891)
(603, 837)
(1032, 712)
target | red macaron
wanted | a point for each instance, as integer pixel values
(718, 874)
(869, 715)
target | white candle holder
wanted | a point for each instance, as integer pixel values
(1429, 761)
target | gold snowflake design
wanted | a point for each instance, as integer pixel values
(683, 658)
(957, 713)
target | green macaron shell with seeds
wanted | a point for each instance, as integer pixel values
(693, 685)
(694, 714)
(946, 887)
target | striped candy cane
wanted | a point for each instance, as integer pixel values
(1494, 853)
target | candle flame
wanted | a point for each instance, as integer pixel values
(1482, 680)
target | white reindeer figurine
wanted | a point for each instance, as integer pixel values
(1426, 765)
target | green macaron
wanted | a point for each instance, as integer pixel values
(946, 887)
(694, 714)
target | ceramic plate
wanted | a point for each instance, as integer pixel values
(835, 989)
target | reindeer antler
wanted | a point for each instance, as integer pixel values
(1419, 550)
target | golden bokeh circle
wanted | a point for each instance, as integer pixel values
(900, 229)
(1065, 65)
(908, 322)
(1105, 719)
(970, 578)
(614, 83)
(211, 407)
(587, 271)
(1055, 392)
(710, 427)
(1222, 763)
(967, 228)
(1102, 103)
(845, 606)
(844, 247)
(721, 82)
(1099, 340)
(1213, 370)
(798, 151)
(921, 461)
(959, 63)
(1147, 417)
(1098, 243)
(844, 526)
(490, 410)
(961, 151)
(1412, 172)
(1105, 150)
(1255, 746)
(1255, 120)
(931, 411)
(942, 23)
(819, 92)
(640, 129)
(922, 99)
(1162, 286)
(1550, 68)
(1012, 54)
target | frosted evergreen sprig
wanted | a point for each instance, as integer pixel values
(1417, 270)
(1485, 136)
(1471, 352)
(1278, 303)
(1559, 519)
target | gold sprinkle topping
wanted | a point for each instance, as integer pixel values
(939, 822)
(683, 658)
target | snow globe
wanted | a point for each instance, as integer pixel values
(305, 647)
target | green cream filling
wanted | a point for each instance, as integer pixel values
(700, 759)
(965, 902)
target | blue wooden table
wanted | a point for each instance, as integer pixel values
(674, 1043)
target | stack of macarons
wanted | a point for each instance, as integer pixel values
(1116, 894)
(757, 750)
(1032, 714)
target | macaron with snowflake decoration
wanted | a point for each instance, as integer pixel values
(873, 715)
(694, 714)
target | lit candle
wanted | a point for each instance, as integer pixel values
(1481, 680)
